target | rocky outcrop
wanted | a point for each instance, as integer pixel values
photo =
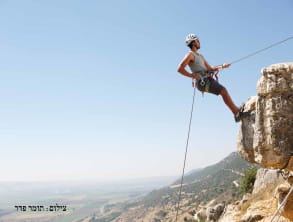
(201, 215)
(269, 191)
(282, 193)
(231, 213)
(214, 213)
(265, 178)
(266, 136)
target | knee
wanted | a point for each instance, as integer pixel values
(224, 92)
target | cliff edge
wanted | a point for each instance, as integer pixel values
(266, 136)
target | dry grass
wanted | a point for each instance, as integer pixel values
(264, 195)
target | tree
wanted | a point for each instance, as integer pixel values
(247, 182)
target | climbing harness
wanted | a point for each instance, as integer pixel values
(215, 74)
(204, 76)
(280, 208)
(205, 80)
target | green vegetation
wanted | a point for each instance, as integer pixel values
(247, 181)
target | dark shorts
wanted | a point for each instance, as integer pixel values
(210, 85)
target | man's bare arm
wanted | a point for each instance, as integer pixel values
(182, 65)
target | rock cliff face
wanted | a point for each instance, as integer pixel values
(266, 136)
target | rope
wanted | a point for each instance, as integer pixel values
(261, 50)
(186, 148)
(282, 204)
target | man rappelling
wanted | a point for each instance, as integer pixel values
(202, 73)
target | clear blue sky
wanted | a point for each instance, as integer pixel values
(89, 89)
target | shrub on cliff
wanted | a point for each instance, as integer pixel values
(247, 182)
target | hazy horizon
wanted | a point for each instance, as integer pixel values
(90, 180)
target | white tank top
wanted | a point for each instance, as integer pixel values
(198, 65)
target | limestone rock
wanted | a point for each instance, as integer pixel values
(246, 134)
(245, 198)
(283, 190)
(214, 213)
(290, 179)
(231, 213)
(201, 215)
(264, 178)
(266, 136)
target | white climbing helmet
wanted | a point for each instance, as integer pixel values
(190, 38)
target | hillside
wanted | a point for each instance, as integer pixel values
(217, 182)
(203, 185)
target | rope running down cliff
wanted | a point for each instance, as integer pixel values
(282, 204)
(186, 148)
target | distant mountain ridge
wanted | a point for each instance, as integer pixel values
(217, 182)
(231, 162)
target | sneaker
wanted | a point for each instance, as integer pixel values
(240, 115)
(237, 117)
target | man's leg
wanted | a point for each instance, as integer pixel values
(228, 101)
(218, 89)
